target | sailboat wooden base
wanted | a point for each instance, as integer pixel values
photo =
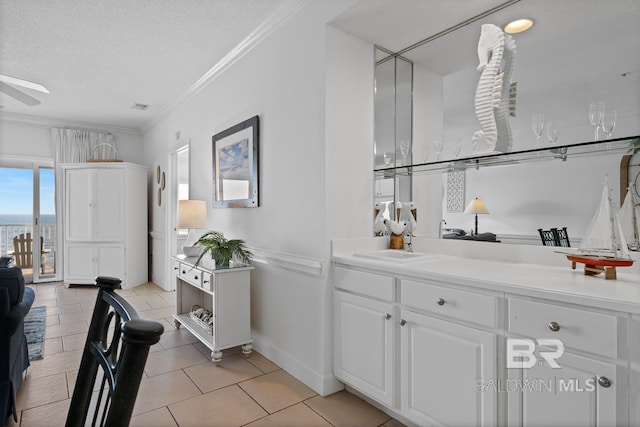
(594, 265)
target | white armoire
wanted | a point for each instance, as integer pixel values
(105, 222)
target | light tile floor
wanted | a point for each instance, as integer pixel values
(181, 387)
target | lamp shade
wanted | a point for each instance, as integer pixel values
(192, 213)
(476, 206)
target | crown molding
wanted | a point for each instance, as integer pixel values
(260, 33)
(49, 122)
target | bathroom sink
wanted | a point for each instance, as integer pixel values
(395, 255)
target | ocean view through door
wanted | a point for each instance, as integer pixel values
(28, 219)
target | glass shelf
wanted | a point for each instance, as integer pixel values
(561, 153)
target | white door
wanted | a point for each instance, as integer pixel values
(108, 205)
(110, 261)
(79, 205)
(79, 262)
(364, 345)
(582, 392)
(441, 366)
(27, 208)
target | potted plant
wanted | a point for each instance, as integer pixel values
(221, 250)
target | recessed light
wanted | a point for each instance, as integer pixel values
(518, 26)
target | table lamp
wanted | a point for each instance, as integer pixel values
(476, 206)
(192, 214)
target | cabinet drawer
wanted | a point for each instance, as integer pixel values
(370, 284)
(176, 268)
(191, 275)
(578, 329)
(463, 305)
(207, 280)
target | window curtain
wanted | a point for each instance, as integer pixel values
(76, 146)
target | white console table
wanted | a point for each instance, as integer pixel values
(225, 293)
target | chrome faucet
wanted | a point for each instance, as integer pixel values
(442, 222)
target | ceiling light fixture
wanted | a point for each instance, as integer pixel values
(518, 26)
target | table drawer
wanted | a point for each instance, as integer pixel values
(463, 305)
(207, 281)
(370, 284)
(191, 275)
(579, 329)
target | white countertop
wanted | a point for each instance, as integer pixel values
(545, 274)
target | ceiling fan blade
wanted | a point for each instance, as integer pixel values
(23, 83)
(19, 95)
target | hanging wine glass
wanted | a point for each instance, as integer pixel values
(457, 147)
(595, 118)
(608, 122)
(404, 150)
(537, 126)
(386, 156)
(439, 145)
(553, 132)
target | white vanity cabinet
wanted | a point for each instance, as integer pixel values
(364, 354)
(589, 386)
(445, 353)
(105, 222)
(224, 292)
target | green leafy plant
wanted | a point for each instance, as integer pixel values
(222, 250)
(634, 146)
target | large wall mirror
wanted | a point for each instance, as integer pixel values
(576, 53)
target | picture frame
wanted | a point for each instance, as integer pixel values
(235, 166)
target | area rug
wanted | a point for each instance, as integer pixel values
(34, 326)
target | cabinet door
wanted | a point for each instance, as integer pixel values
(110, 261)
(570, 395)
(364, 345)
(79, 204)
(442, 364)
(79, 262)
(109, 200)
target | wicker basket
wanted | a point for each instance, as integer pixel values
(197, 319)
(116, 157)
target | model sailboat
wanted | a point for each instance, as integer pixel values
(603, 247)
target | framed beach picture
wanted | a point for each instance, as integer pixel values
(235, 166)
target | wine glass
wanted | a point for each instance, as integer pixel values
(553, 132)
(404, 150)
(386, 156)
(457, 147)
(595, 118)
(439, 145)
(537, 126)
(608, 122)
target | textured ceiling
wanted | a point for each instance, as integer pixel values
(99, 57)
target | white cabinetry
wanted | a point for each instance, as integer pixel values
(365, 337)
(105, 222)
(584, 388)
(226, 294)
(440, 360)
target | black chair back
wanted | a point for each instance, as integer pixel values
(118, 341)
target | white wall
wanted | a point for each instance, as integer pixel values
(283, 81)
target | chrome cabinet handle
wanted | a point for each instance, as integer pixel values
(387, 316)
(604, 382)
(195, 277)
(440, 301)
(554, 326)
(403, 322)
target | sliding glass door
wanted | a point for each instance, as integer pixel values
(28, 219)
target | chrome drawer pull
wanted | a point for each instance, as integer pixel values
(554, 326)
(604, 382)
(387, 316)
(403, 322)
(440, 301)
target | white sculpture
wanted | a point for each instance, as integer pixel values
(378, 222)
(496, 52)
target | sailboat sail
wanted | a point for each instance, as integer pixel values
(604, 233)
(628, 218)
